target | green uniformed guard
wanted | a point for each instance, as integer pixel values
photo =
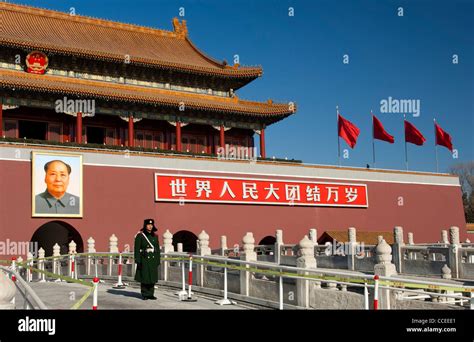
(147, 258)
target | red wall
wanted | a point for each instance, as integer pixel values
(116, 200)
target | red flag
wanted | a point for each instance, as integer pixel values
(413, 135)
(348, 131)
(380, 133)
(443, 138)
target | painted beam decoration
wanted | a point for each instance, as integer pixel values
(237, 190)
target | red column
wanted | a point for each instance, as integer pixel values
(222, 137)
(178, 136)
(131, 133)
(79, 128)
(1, 119)
(262, 143)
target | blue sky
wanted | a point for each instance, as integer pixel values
(403, 57)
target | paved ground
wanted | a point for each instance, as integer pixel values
(64, 295)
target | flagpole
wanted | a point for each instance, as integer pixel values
(436, 146)
(406, 153)
(373, 139)
(338, 140)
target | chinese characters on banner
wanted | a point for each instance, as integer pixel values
(190, 188)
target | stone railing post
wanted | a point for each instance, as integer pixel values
(313, 235)
(278, 244)
(90, 249)
(306, 259)
(7, 292)
(454, 255)
(113, 248)
(203, 250)
(167, 248)
(444, 237)
(410, 238)
(397, 248)
(411, 255)
(352, 243)
(56, 259)
(19, 262)
(248, 254)
(72, 247)
(223, 245)
(446, 274)
(168, 242)
(179, 247)
(385, 268)
(29, 264)
(71, 252)
(113, 244)
(41, 254)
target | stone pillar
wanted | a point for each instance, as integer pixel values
(412, 255)
(90, 249)
(203, 250)
(454, 255)
(278, 244)
(454, 235)
(7, 292)
(90, 245)
(385, 268)
(113, 248)
(410, 239)
(204, 244)
(397, 248)
(167, 248)
(306, 259)
(248, 254)
(41, 254)
(179, 246)
(72, 247)
(446, 274)
(313, 235)
(19, 262)
(352, 242)
(113, 244)
(29, 264)
(223, 245)
(168, 242)
(444, 237)
(56, 260)
(71, 251)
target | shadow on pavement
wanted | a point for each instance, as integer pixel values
(124, 293)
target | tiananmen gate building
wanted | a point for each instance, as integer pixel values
(128, 122)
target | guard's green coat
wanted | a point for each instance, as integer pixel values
(147, 262)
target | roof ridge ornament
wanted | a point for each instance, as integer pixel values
(180, 28)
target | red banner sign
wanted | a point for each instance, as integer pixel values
(209, 189)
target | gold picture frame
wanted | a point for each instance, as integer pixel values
(56, 185)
